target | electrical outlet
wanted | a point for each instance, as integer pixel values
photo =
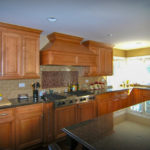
(22, 85)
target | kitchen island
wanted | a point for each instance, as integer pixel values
(126, 129)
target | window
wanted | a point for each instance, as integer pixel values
(134, 69)
(143, 108)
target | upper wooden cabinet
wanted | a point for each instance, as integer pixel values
(104, 59)
(19, 52)
(66, 49)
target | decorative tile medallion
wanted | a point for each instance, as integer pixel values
(53, 79)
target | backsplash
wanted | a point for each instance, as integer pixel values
(54, 79)
(10, 88)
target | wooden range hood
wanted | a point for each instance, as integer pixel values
(66, 49)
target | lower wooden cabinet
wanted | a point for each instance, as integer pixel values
(86, 111)
(7, 129)
(136, 96)
(64, 116)
(103, 103)
(145, 94)
(48, 122)
(29, 125)
(109, 102)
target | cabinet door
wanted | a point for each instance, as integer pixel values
(64, 116)
(105, 66)
(11, 55)
(31, 56)
(137, 95)
(145, 95)
(101, 60)
(48, 122)
(108, 61)
(86, 111)
(1, 54)
(103, 103)
(29, 125)
(7, 130)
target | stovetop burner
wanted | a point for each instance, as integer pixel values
(80, 93)
(69, 98)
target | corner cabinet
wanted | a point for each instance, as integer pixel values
(104, 59)
(19, 52)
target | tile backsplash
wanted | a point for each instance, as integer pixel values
(11, 89)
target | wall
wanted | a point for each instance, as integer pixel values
(9, 88)
(131, 53)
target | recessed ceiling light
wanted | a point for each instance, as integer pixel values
(110, 35)
(52, 19)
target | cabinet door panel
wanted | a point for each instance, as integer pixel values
(64, 117)
(7, 129)
(86, 111)
(11, 54)
(31, 56)
(101, 64)
(7, 136)
(48, 122)
(108, 62)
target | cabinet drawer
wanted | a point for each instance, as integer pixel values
(35, 108)
(6, 113)
(104, 97)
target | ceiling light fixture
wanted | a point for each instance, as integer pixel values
(52, 19)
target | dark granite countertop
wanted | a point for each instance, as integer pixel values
(16, 103)
(121, 130)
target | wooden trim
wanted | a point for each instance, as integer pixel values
(138, 52)
(119, 53)
(91, 43)
(2, 24)
(60, 36)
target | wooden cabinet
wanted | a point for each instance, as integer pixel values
(145, 94)
(104, 57)
(86, 111)
(48, 122)
(137, 96)
(103, 103)
(64, 116)
(11, 62)
(19, 52)
(7, 129)
(120, 99)
(31, 56)
(29, 125)
(109, 102)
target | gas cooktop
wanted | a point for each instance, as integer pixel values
(69, 98)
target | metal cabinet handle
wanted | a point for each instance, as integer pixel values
(3, 114)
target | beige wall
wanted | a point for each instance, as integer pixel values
(131, 53)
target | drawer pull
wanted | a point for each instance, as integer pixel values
(3, 114)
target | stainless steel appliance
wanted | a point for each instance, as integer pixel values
(69, 98)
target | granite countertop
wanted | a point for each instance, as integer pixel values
(16, 103)
(120, 130)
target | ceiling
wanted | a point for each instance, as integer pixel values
(110, 21)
